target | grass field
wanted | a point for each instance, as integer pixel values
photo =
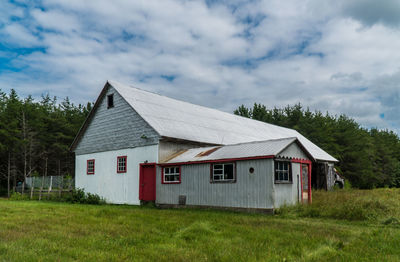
(340, 226)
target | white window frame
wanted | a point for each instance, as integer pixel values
(121, 164)
(176, 172)
(90, 166)
(222, 175)
(283, 173)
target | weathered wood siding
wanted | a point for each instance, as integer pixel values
(169, 148)
(250, 190)
(115, 128)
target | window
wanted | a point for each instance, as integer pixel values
(283, 172)
(90, 167)
(110, 101)
(121, 164)
(223, 172)
(171, 175)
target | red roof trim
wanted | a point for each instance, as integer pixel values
(301, 161)
(217, 160)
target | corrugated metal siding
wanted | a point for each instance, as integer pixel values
(293, 151)
(115, 128)
(289, 193)
(250, 190)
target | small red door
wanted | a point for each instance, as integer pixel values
(147, 182)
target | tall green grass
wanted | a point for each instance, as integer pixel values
(55, 231)
(379, 205)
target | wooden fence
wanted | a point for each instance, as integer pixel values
(46, 187)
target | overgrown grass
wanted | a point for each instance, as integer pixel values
(379, 205)
(74, 196)
(48, 231)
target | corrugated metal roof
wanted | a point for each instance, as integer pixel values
(244, 150)
(182, 120)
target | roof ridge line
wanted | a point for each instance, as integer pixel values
(205, 107)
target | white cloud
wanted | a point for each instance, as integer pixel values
(328, 55)
(18, 35)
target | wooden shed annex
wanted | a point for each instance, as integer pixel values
(260, 175)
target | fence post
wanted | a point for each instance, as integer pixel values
(41, 188)
(32, 186)
(50, 187)
(60, 186)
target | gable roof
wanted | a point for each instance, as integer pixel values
(259, 149)
(183, 120)
(172, 118)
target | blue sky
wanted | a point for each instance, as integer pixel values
(337, 56)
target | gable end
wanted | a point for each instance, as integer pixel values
(112, 128)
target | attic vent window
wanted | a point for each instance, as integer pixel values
(110, 101)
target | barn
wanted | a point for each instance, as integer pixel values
(140, 146)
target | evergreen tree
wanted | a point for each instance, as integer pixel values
(367, 158)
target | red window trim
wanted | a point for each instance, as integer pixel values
(126, 164)
(87, 167)
(212, 181)
(173, 182)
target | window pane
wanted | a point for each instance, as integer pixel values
(217, 177)
(228, 171)
(218, 172)
(177, 170)
(217, 166)
(166, 170)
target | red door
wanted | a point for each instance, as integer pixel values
(147, 182)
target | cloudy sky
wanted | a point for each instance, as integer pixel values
(341, 56)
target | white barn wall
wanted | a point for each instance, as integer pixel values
(116, 188)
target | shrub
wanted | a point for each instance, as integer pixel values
(78, 195)
(18, 196)
(94, 199)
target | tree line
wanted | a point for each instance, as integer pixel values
(35, 137)
(368, 158)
